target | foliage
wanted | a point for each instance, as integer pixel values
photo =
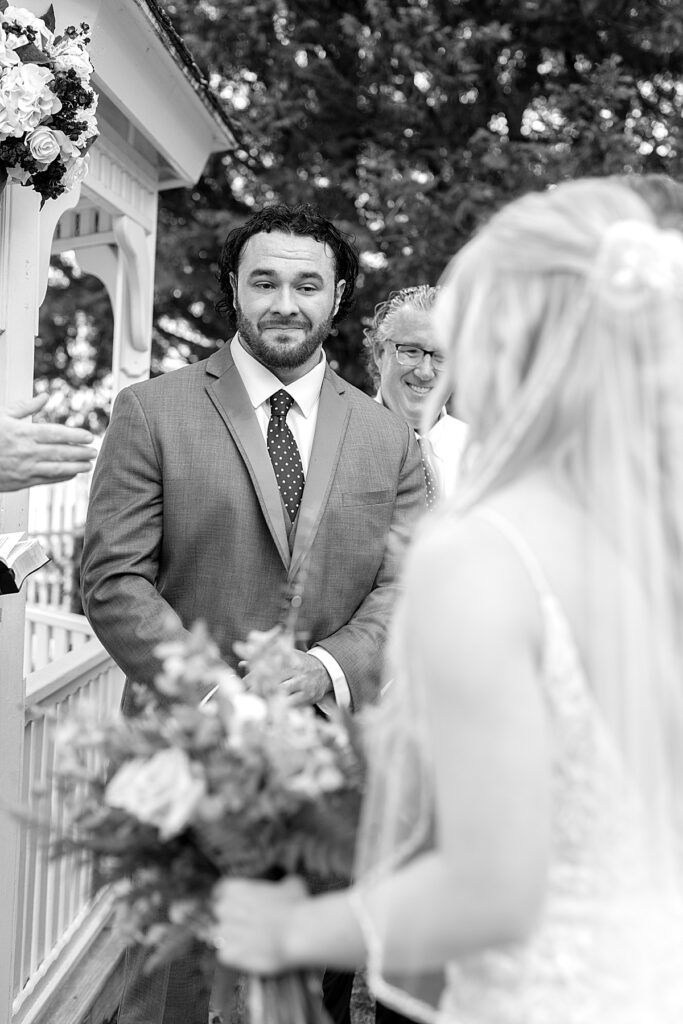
(73, 354)
(408, 122)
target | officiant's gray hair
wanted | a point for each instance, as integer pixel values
(420, 297)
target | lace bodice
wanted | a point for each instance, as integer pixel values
(606, 949)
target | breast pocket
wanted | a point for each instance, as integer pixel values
(351, 498)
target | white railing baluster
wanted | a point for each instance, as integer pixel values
(57, 916)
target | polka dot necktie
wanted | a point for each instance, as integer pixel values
(431, 482)
(284, 453)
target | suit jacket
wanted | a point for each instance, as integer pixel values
(186, 522)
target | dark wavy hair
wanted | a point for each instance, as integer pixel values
(304, 220)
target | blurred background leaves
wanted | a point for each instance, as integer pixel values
(406, 121)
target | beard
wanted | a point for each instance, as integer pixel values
(279, 351)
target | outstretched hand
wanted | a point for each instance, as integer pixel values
(39, 453)
(253, 920)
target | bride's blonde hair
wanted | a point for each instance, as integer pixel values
(535, 307)
(563, 320)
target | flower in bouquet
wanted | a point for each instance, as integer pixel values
(217, 775)
(47, 107)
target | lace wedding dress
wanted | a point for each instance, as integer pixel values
(607, 946)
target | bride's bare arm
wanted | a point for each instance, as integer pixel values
(477, 623)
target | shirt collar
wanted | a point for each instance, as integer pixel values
(261, 383)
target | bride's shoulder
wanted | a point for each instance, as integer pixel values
(468, 542)
(463, 567)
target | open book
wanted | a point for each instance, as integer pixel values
(20, 555)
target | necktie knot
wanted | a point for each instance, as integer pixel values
(280, 403)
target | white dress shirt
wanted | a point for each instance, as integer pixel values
(447, 441)
(260, 384)
(302, 418)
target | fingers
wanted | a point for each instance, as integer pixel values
(251, 917)
(56, 472)
(58, 434)
(47, 453)
(296, 690)
(22, 409)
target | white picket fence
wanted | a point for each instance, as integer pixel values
(56, 518)
(58, 916)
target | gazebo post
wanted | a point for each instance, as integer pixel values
(19, 282)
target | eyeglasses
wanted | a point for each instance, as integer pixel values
(411, 355)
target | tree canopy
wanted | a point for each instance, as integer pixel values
(408, 122)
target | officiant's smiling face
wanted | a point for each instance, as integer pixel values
(406, 389)
(285, 300)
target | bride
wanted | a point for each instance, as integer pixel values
(520, 855)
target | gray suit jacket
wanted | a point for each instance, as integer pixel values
(186, 522)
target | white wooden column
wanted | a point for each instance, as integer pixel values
(19, 269)
(133, 304)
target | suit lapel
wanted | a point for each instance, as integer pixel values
(333, 416)
(229, 395)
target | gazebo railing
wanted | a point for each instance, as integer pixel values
(50, 634)
(57, 915)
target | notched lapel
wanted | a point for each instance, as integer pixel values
(330, 430)
(229, 395)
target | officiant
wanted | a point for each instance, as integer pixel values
(405, 361)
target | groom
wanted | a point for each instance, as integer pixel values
(221, 484)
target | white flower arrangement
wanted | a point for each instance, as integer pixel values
(217, 775)
(47, 107)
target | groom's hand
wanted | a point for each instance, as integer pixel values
(302, 676)
(308, 681)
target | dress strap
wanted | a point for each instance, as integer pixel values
(521, 546)
(559, 645)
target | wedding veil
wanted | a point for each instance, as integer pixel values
(563, 319)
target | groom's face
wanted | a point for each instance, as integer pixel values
(285, 300)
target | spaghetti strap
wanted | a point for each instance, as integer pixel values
(559, 641)
(527, 556)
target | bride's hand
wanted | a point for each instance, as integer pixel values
(252, 921)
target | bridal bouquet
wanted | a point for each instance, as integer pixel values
(47, 108)
(217, 775)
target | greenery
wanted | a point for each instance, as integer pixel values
(408, 122)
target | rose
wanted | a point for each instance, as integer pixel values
(67, 148)
(163, 790)
(43, 145)
(25, 99)
(70, 54)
